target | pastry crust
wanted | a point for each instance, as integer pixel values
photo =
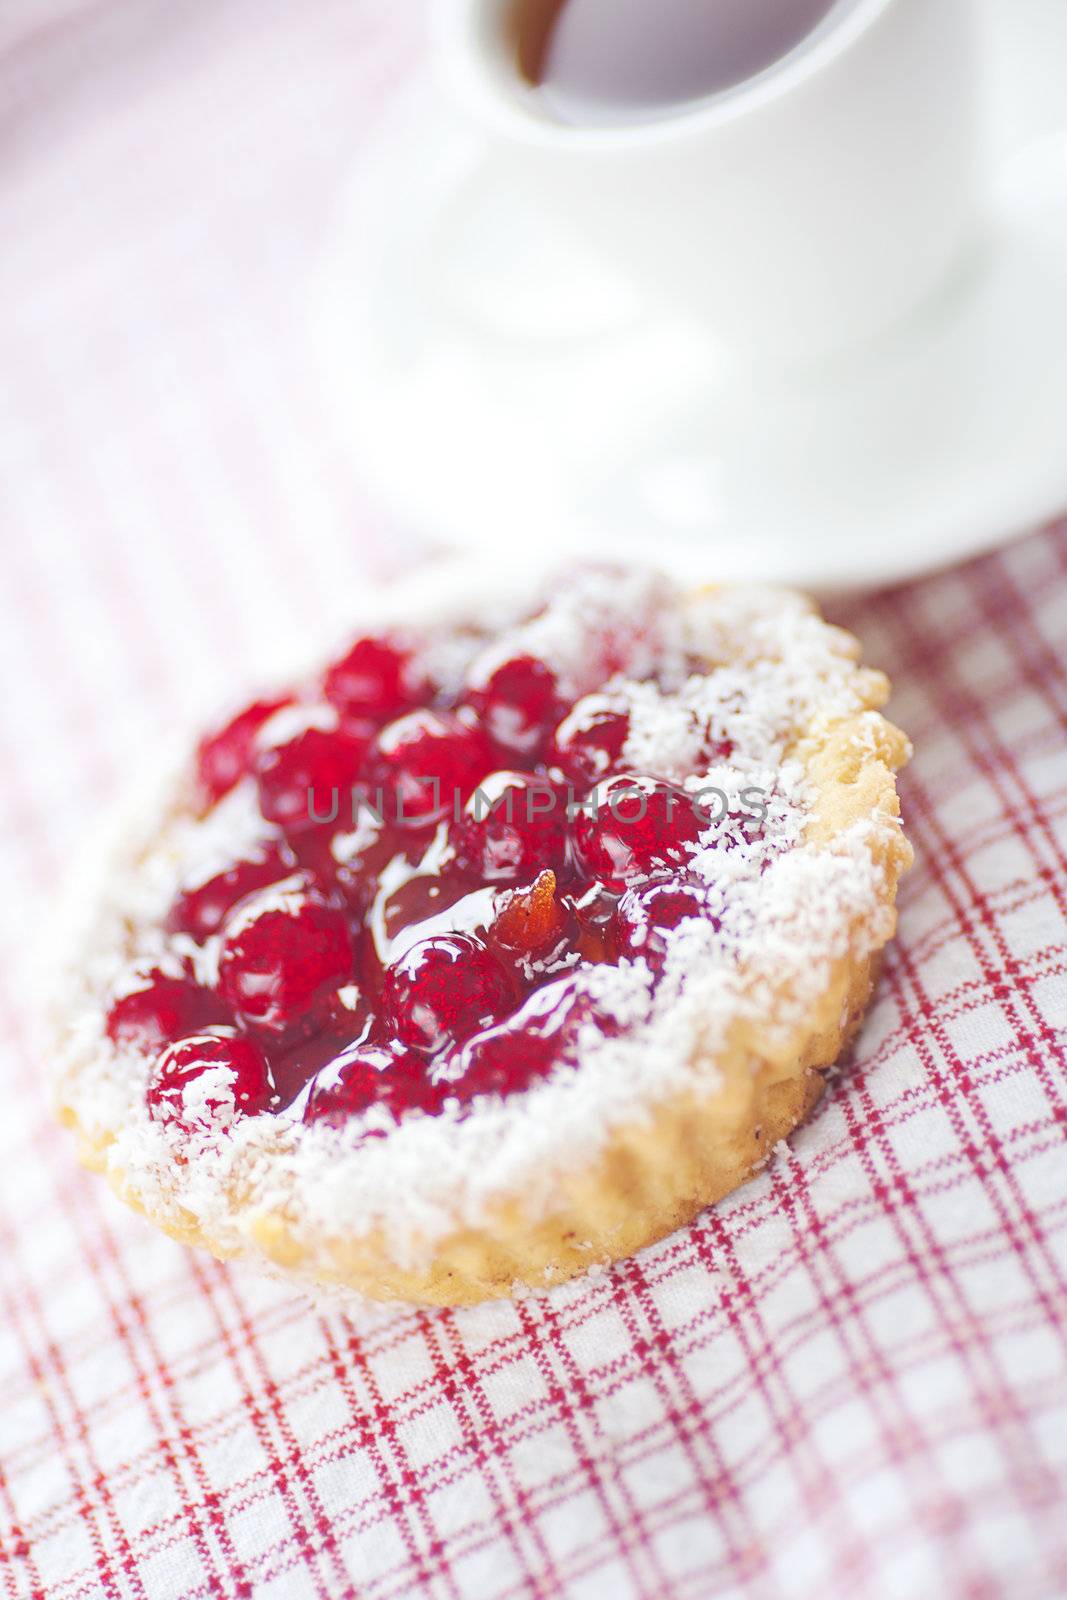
(749, 1088)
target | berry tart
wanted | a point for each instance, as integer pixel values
(501, 946)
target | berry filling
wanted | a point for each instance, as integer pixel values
(224, 756)
(514, 826)
(428, 763)
(376, 679)
(285, 952)
(444, 989)
(205, 1081)
(158, 1003)
(636, 826)
(305, 780)
(446, 853)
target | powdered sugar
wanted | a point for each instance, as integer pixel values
(785, 911)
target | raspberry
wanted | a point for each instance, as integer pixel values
(205, 1081)
(514, 825)
(640, 826)
(224, 757)
(646, 915)
(160, 1002)
(283, 952)
(428, 763)
(308, 780)
(443, 989)
(530, 1045)
(519, 705)
(366, 1075)
(200, 911)
(588, 743)
(376, 678)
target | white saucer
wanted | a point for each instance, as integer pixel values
(505, 393)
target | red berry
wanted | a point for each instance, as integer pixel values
(224, 757)
(646, 915)
(364, 1075)
(375, 679)
(308, 780)
(527, 1047)
(284, 950)
(514, 826)
(443, 989)
(157, 1003)
(519, 704)
(640, 826)
(205, 1081)
(428, 763)
(200, 911)
(588, 743)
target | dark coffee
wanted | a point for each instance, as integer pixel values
(611, 61)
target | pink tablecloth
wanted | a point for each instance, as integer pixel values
(847, 1382)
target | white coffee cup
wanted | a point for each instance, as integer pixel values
(795, 215)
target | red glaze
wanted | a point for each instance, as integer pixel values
(587, 745)
(514, 825)
(640, 826)
(428, 895)
(244, 1088)
(527, 1047)
(645, 914)
(518, 705)
(337, 1026)
(200, 911)
(224, 757)
(283, 952)
(427, 764)
(443, 989)
(363, 1075)
(313, 854)
(359, 857)
(159, 1003)
(308, 781)
(375, 679)
(593, 908)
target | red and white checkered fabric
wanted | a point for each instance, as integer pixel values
(847, 1382)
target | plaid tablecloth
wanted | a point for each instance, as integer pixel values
(848, 1381)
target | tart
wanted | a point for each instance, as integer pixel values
(501, 946)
